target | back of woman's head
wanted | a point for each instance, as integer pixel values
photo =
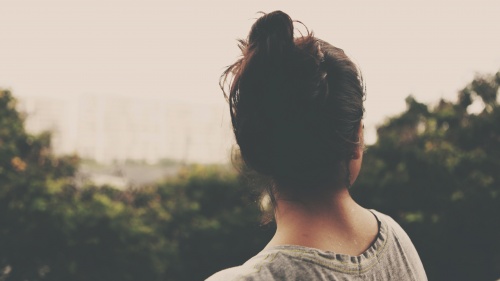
(296, 106)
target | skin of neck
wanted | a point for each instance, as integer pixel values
(341, 226)
(333, 223)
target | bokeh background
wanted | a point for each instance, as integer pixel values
(115, 145)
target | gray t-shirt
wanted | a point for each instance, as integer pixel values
(392, 256)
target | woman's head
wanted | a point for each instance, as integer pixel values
(296, 107)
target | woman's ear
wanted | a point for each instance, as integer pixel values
(358, 150)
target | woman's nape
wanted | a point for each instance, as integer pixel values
(333, 223)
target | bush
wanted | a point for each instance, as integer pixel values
(436, 172)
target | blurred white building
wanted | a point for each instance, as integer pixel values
(109, 129)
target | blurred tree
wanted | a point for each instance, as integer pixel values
(436, 171)
(51, 230)
(215, 221)
(26, 167)
(185, 228)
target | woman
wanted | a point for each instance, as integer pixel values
(296, 107)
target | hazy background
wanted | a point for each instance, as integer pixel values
(132, 88)
(156, 64)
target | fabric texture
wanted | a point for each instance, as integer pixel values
(392, 256)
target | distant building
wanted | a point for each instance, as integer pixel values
(108, 129)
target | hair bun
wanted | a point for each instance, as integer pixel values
(272, 33)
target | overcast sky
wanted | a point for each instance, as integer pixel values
(177, 49)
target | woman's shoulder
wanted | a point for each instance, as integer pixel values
(226, 274)
(387, 255)
(393, 228)
(247, 271)
(402, 247)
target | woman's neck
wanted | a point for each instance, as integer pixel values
(337, 224)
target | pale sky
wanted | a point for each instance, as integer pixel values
(177, 49)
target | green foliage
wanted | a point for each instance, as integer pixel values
(53, 231)
(185, 228)
(215, 221)
(434, 169)
(436, 172)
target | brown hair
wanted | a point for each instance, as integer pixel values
(296, 106)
